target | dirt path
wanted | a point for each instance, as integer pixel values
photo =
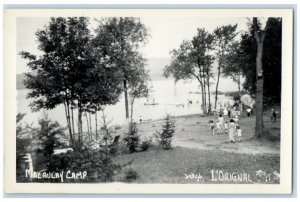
(193, 132)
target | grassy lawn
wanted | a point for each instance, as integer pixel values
(196, 151)
(170, 166)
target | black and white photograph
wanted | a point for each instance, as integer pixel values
(149, 97)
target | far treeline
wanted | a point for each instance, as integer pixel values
(85, 70)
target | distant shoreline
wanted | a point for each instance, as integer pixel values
(179, 116)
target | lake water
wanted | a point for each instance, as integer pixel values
(163, 92)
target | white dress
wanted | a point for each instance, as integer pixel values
(239, 132)
(231, 131)
(225, 112)
(221, 121)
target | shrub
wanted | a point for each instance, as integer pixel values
(98, 165)
(164, 137)
(109, 145)
(96, 162)
(145, 145)
(236, 98)
(118, 127)
(49, 133)
(131, 175)
(23, 139)
(22, 145)
(113, 149)
(132, 139)
(23, 148)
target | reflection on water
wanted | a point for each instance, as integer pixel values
(168, 98)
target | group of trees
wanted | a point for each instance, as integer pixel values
(196, 59)
(271, 60)
(87, 71)
(256, 57)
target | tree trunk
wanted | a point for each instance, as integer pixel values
(87, 125)
(217, 86)
(259, 92)
(239, 88)
(90, 120)
(204, 88)
(239, 84)
(72, 116)
(96, 125)
(199, 78)
(79, 122)
(203, 101)
(68, 121)
(260, 37)
(126, 99)
(203, 97)
(131, 110)
(208, 92)
(202, 84)
(208, 86)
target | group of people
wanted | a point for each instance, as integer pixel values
(232, 128)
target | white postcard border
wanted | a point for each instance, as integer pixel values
(10, 95)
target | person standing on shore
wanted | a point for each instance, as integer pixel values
(209, 110)
(274, 115)
(239, 133)
(221, 121)
(225, 112)
(231, 130)
(212, 126)
(229, 112)
(226, 127)
(249, 113)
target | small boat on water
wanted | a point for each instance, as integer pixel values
(151, 103)
(194, 92)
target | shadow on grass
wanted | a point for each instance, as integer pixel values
(272, 134)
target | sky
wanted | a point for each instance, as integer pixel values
(166, 33)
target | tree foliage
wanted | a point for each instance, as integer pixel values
(72, 70)
(193, 59)
(138, 87)
(98, 166)
(224, 37)
(234, 61)
(271, 61)
(182, 66)
(166, 134)
(132, 139)
(22, 138)
(121, 38)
